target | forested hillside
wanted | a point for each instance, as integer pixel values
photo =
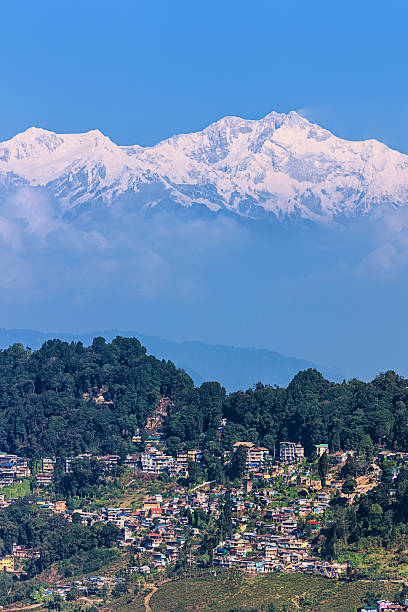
(45, 407)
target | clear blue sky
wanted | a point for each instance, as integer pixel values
(141, 71)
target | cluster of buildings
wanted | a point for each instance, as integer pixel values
(108, 461)
(157, 528)
(156, 461)
(275, 545)
(293, 452)
(86, 587)
(273, 552)
(13, 469)
(384, 606)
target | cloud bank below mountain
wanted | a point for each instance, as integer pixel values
(335, 296)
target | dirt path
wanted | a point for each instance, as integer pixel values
(30, 607)
(203, 484)
(129, 483)
(148, 597)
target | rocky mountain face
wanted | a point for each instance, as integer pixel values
(281, 165)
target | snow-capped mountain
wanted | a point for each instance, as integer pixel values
(281, 164)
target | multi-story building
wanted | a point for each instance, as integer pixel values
(194, 455)
(132, 461)
(60, 506)
(22, 469)
(48, 464)
(256, 457)
(44, 478)
(321, 449)
(13, 467)
(155, 462)
(291, 452)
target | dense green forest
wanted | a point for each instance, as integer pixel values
(43, 410)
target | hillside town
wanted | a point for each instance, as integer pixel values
(275, 509)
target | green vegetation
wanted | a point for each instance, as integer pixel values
(229, 591)
(65, 399)
(19, 489)
(25, 524)
(45, 409)
(377, 523)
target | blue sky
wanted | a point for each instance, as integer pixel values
(141, 71)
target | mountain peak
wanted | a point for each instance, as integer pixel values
(280, 165)
(36, 131)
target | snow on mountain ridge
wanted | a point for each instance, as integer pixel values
(281, 164)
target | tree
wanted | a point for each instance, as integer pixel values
(403, 594)
(371, 598)
(225, 518)
(238, 463)
(194, 472)
(349, 468)
(73, 594)
(76, 518)
(55, 602)
(323, 468)
(348, 486)
(119, 589)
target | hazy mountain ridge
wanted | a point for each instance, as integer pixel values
(281, 165)
(233, 367)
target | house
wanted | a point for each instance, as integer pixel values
(246, 445)
(60, 507)
(20, 551)
(389, 605)
(132, 461)
(109, 461)
(321, 449)
(194, 455)
(7, 563)
(338, 457)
